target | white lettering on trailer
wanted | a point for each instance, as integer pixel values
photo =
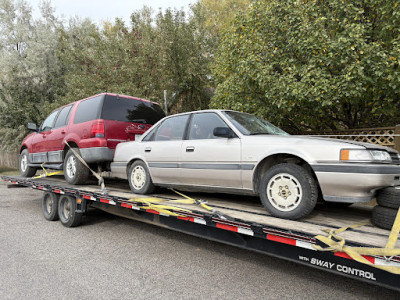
(356, 272)
(322, 263)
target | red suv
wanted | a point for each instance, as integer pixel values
(93, 127)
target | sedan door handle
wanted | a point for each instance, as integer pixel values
(190, 149)
(147, 149)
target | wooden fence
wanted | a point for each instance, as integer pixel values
(9, 160)
(385, 136)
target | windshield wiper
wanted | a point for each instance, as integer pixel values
(259, 133)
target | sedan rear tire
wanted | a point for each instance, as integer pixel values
(288, 191)
(139, 178)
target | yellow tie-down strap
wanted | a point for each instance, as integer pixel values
(46, 174)
(153, 203)
(336, 243)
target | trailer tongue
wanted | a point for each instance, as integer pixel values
(236, 220)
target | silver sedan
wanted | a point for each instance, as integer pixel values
(233, 152)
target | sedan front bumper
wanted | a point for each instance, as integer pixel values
(353, 183)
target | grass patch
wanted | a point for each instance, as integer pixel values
(8, 171)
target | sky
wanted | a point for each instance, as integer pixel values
(108, 10)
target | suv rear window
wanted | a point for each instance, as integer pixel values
(131, 110)
(88, 110)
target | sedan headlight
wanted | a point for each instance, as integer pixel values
(364, 155)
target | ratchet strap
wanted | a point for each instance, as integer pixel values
(153, 203)
(46, 174)
(98, 176)
(336, 243)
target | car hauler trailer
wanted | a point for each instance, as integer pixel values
(240, 222)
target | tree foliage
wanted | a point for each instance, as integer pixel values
(151, 55)
(313, 64)
(30, 72)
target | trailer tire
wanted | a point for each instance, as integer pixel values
(50, 206)
(383, 217)
(24, 169)
(67, 212)
(288, 191)
(389, 197)
(75, 172)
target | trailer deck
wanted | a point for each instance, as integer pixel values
(243, 222)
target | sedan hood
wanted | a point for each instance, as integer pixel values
(366, 145)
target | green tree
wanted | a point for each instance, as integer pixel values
(30, 72)
(313, 64)
(153, 54)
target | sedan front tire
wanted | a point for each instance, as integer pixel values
(288, 191)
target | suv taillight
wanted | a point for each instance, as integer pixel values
(97, 129)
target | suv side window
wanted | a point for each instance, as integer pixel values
(49, 122)
(203, 124)
(63, 117)
(89, 110)
(172, 129)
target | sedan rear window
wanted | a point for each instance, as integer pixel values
(118, 108)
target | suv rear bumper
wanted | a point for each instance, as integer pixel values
(97, 154)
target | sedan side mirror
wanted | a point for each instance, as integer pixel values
(32, 127)
(224, 132)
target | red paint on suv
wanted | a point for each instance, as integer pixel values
(92, 127)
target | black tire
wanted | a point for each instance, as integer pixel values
(383, 217)
(389, 197)
(298, 186)
(67, 212)
(139, 178)
(75, 172)
(24, 169)
(50, 206)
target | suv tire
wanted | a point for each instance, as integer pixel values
(24, 169)
(75, 172)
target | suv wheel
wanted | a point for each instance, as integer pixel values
(288, 191)
(24, 168)
(139, 178)
(75, 172)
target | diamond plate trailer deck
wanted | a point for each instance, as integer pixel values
(246, 225)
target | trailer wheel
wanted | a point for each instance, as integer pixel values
(288, 191)
(389, 197)
(24, 168)
(67, 211)
(75, 172)
(383, 217)
(50, 206)
(139, 178)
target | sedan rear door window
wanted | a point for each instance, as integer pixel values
(172, 129)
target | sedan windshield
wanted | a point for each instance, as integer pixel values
(252, 125)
